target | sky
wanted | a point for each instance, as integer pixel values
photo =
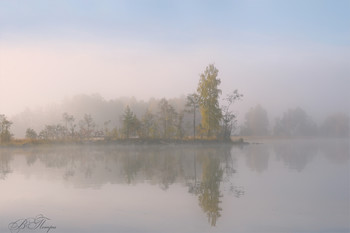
(280, 54)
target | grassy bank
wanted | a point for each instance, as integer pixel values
(131, 141)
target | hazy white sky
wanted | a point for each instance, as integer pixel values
(280, 54)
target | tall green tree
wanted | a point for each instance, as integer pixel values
(209, 93)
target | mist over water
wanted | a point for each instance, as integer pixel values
(174, 116)
(303, 184)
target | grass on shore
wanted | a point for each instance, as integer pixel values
(101, 141)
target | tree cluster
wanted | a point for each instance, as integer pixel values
(5, 125)
(216, 122)
(294, 123)
(160, 120)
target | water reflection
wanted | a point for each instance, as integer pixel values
(209, 190)
(206, 172)
(201, 169)
(337, 151)
(295, 157)
(257, 157)
(297, 154)
(5, 159)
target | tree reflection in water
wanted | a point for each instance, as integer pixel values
(216, 168)
(201, 168)
(209, 189)
(206, 170)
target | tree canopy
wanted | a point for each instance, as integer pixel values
(209, 93)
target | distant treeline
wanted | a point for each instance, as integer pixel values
(197, 115)
(294, 123)
(129, 122)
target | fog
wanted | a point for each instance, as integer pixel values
(204, 187)
(175, 116)
(279, 55)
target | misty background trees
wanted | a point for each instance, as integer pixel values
(156, 119)
(256, 122)
(335, 125)
(197, 115)
(294, 123)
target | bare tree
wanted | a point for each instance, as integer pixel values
(228, 117)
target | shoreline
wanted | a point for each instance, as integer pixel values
(23, 143)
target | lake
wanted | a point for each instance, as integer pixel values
(275, 186)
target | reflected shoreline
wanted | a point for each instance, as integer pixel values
(206, 170)
(202, 169)
(131, 141)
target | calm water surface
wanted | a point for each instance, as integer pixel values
(284, 186)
